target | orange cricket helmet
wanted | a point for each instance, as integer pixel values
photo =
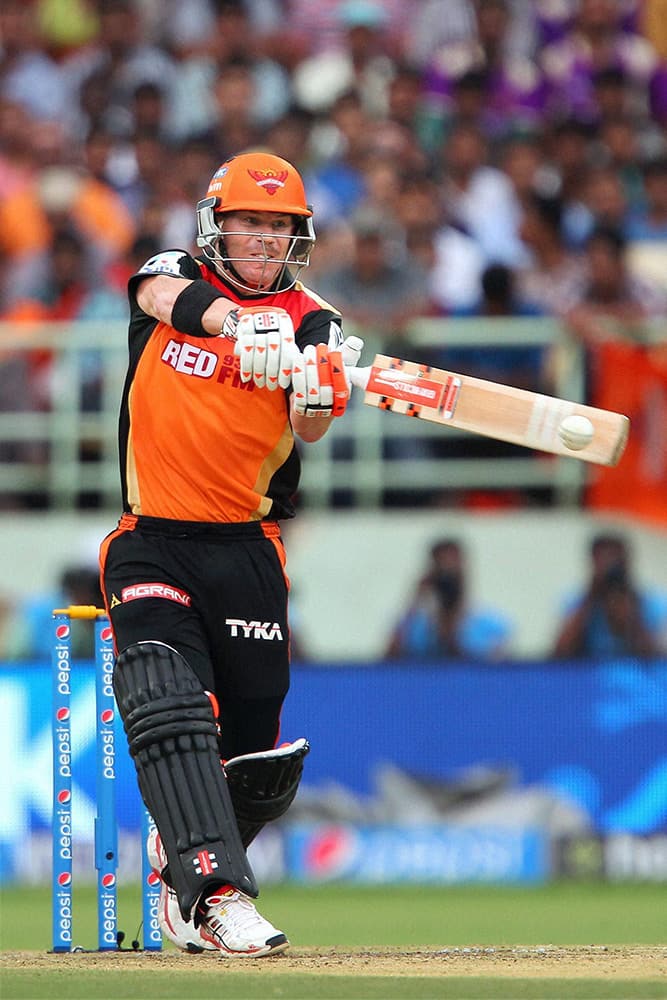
(261, 182)
(255, 182)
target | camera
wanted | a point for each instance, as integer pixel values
(615, 577)
(449, 588)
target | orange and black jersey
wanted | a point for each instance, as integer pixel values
(196, 443)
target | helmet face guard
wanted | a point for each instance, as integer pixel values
(257, 182)
(211, 240)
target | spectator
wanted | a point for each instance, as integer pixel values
(60, 197)
(613, 99)
(435, 24)
(553, 276)
(650, 222)
(521, 366)
(382, 178)
(509, 84)
(600, 201)
(647, 227)
(304, 28)
(605, 202)
(522, 159)
(29, 76)
(612, 300)
(620, 146)
(362, 64)
(597, 41)
(381, 289)
(67, 291)
(336, 183)
(441, 623)
(568, 145)
(187, 25)
(457, 259)
(137, 174)
(120, 59)
(614, 615)
(232, 59)
(149, 111)
(290, 137)
(479, 198)
(235, 126)
(29, 636)
(17, 164)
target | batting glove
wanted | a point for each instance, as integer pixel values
(320, 382)
(264, 344)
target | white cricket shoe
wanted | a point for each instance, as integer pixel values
(229, 921)
(184, 935)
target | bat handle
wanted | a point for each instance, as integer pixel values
(359, 376)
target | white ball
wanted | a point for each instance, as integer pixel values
(575, 432)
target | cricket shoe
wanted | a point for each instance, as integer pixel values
(184, 935)
(229, 921)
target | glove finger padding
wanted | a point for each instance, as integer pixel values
(341, 388)
(265, 346)
(319, 382)
(324, 377)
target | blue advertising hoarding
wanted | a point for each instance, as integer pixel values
(595, 732)
(435, 854)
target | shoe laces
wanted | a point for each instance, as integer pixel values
(234, 909)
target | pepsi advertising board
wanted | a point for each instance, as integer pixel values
(591, 735)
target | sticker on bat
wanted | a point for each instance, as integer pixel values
(416, 388)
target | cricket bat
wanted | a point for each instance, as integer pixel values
(529, 419)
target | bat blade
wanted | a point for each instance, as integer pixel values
(494, 410)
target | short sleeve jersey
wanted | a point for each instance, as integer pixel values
(196, 443)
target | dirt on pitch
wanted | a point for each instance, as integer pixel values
(592, 962)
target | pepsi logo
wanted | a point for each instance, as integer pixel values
(107, 716)
(62, 715)
(108, 880)
(65, 878)
(62, 631)
(330, 851)
(153, 879)
(106, 634)
(64, 795)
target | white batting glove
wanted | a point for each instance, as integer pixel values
(321, 386)
(265, 345)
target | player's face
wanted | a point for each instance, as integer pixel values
(257, 243)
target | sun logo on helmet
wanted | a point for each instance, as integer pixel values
(269, 180)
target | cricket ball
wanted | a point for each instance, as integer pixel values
(575, 432)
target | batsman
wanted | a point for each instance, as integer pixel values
(231, 358)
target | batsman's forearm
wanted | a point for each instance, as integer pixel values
(157, 295)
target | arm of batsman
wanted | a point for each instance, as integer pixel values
(320, 379)
(265, 345)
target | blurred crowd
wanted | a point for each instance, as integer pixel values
(464, 158)
(608, 610)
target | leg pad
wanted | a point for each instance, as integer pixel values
(172, 736)
(263, 785)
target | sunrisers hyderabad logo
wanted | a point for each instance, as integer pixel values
(269, 180)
